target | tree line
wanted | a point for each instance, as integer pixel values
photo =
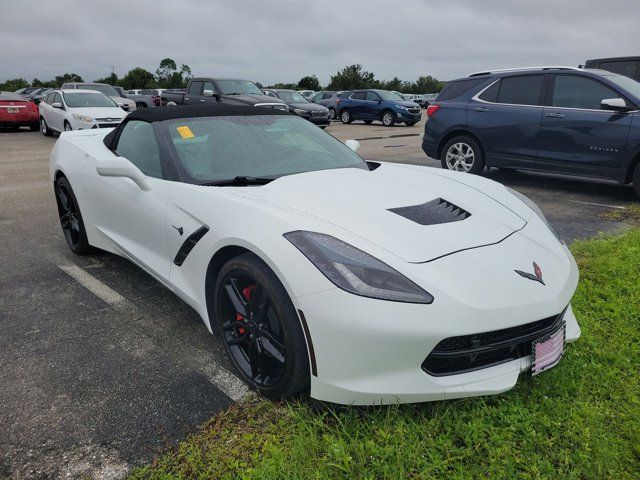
(170, 75)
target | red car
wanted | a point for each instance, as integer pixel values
(16, 112)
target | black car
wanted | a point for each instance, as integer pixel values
(627, 66)
(301, 106)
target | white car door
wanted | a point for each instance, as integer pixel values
(131, 219)
(46, 108)
(57, 114)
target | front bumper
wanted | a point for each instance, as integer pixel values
(95, 123)
(406, 116)
(371, 352)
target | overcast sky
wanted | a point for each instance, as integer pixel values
(283, 40)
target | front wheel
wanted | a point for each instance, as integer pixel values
(388, 119)
(46, 131)
(463, 154)
(71, 218)
(260, 328)
(345, 116)
(67, 126)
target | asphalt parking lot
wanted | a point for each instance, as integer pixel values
(102, 366)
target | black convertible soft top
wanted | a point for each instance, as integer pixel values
(159, 114)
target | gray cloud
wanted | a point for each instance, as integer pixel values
(287, 39)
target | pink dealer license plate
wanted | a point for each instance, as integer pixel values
(548, 351)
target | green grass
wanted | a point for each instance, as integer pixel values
(580, 420)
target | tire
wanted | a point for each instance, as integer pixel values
(410, 124)
(345, 116)
(332, 113)
(46, 131)
(280, 365)
(71, 218)
(388, 119)
(34, 127)
(636, 180)
(67, 126)
(465, 155)
(368, 122)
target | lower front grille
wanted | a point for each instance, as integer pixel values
(107, 125)
(466, 353)
(414, 111)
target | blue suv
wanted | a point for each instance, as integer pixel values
(553, 119)
(369, 105)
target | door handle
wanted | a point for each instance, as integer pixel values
(554, 115)
(482, 109)
(202, 100)
(186, 98)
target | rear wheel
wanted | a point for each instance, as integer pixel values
(71, 218)
(463, 154)
(332, 113)
(636, 180)
(388, 118)
(46, 131)
(260, 328)
(345, 116)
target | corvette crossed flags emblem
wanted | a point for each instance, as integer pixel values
(536, 276)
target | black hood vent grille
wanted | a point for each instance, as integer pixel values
(432, 213)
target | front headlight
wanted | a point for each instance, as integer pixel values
(401, 107)
(532, 205)
(299, 111)
(83, 118)
(355, 271)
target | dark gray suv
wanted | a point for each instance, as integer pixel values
(554, 119)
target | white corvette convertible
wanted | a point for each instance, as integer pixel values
(366, 282)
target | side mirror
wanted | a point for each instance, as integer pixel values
(209, 93)
(615, 104)
(121, 167)
(56, 105)
(353, 145)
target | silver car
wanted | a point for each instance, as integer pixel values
(124, 103)
(327, 99)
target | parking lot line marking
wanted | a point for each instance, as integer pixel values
(222, 378)
(94, 285)
(605, 205)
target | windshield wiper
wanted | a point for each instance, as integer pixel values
(239, 181)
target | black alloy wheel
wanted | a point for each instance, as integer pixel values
(260, 328)
(71, 218)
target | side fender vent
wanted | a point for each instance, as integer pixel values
(432, 213)
(188, 245)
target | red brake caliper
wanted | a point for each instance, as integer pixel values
(247, 292)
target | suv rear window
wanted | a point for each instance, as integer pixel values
(520, 90)
(457, 88)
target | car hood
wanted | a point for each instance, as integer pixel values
(406, 103)
(122, 101)
(100, 112)
(360, 203)
(312, 107)
(250, 99)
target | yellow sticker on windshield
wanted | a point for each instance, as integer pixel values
(185, 132)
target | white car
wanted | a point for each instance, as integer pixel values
(66, 110)
(366, 282)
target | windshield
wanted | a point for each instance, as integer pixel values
(291, 97)
(237, 87)
(80, 100)
(629, 84)
(386, 95)
(108, 90)
(211, 149)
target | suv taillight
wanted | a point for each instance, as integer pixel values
(156, 100)
(432, 109)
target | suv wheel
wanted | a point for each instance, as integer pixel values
(332, 113)
(636, 180)
(388, 118)
(345, 116)
(463, 154)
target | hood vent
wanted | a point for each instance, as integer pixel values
(432, 213)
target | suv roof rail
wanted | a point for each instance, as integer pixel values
(487, 72)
